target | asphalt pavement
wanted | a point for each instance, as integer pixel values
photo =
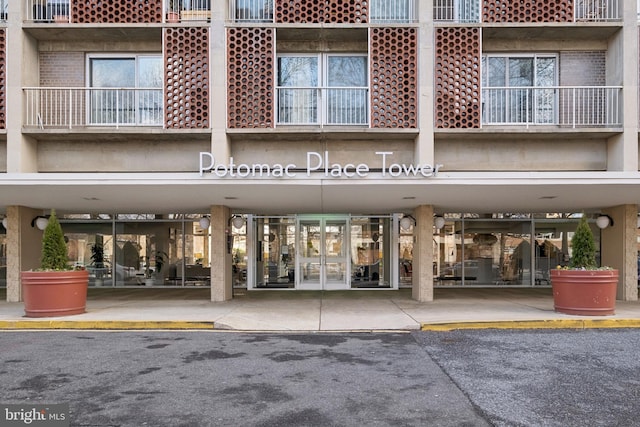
(458, 378)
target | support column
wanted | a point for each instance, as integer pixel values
(24, 245)
(422, 280)
(220, 144)
(425, 143)
(619, 249)
(221, 273)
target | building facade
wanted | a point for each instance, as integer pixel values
(319, 145)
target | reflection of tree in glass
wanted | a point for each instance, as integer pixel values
(298, 71)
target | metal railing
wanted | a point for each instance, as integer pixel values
(597, 10)
(458, 11)
(59, 107)
(468, 11)
(381, 11)
(251, 10)
(47, 11)
(556, 106)
(393, 11)
(322, 106)
(187, 10)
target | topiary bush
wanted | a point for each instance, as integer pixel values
(583, 247)
(54, 249)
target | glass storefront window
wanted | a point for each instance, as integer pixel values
(275, 264)
(370, 245)
(493, 250)
(141, 252)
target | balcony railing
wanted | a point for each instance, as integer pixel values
(555, 106)
(322, 106)
(251, 10)
(598, 10)
(187, 10)
(57, 107)
(48, 11)
(381, 11)
(459, 11)
(468, 11)
(45, 11)
(393, 11)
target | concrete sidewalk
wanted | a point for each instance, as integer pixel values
(190, 308)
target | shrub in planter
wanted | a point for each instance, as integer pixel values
(583, 288)
(55, 289)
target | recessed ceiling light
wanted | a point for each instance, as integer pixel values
(408, 198)
(91, 199)
(230, 198)
(547, 197)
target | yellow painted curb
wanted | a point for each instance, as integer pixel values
(535, 324)
(103, 325)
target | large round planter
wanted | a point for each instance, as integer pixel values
(584, 292)
(54, 293)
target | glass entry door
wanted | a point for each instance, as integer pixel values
(322, 253)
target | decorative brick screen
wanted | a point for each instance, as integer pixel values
(186, 56)
(321, 11)
(250, 77)
(527, 11)
(3, 78)
(116, 11)
(457, 78)
(394, 75)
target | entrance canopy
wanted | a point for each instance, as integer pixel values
(448, 192)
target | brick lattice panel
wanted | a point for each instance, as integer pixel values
(250, 77)
(527, 11)
(186, 56)
(457, 78)
(394, 75)
(323, 11)
(3, 78)
(116, 11)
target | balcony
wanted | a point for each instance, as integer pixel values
(380, 11)
(341, 106)
(94, 11)
(187, 10)
(69, 108)
(468, 11)
(568, 107)
(393, 11)
(251, 11)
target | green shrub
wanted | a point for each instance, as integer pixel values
(54, 248)
(583, 247)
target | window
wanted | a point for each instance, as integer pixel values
(519, 89)
(322, 89)
(134, 96)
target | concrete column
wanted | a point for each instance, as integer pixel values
(22, 150)
(220, 145)
(622, 55)
(422, 280)
(24, 245)
(221, 270)
(424, 144)
(620, 251)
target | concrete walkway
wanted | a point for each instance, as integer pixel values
(190, 308)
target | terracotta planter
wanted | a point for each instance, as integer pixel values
(584, 292)
(54, 293)
(173, 17)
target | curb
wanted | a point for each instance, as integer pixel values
(102, 325)
(534, 324)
